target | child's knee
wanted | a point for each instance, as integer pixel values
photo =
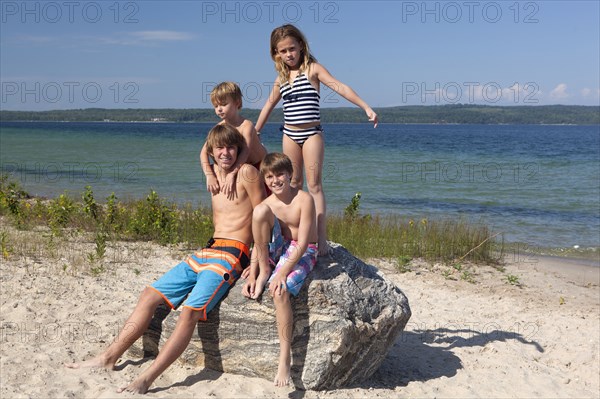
(192, 315)
(150, 297)
(262, 213)
(297, 181)
(315, 188)
(282, 300)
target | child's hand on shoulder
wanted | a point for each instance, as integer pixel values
(229, 186)
(212, 184)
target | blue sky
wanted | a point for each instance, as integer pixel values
(169, 54)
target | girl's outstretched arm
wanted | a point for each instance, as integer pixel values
(323, 75)
(270, 104)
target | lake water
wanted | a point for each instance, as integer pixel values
(539, 185)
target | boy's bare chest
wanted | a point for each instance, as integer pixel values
(289, 214)
(230, 204)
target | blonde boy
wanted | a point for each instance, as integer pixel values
(285, 234)
(226, 98)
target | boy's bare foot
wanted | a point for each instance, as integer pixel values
(137, 386)
(96, 363)
(259, 287)
(282, 378)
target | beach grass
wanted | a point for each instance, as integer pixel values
(157, 220)
(403, 239)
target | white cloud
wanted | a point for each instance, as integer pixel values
(590, 95)
(147, 37)
(559, 92)
(34, 39)
(161, 35)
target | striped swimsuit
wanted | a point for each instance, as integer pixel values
(300, 105)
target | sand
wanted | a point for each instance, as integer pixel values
(481, 339)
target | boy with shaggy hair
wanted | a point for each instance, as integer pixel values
(202, 279)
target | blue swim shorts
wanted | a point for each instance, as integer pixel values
(205, 276)
(280, 249)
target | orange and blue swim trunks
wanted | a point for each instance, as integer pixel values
(205, 276)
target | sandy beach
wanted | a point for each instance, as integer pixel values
(538, 337)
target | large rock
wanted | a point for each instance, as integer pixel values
(345, 319)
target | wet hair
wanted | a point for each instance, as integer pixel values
(224, 135)
(306, 57)
(226, 91)
(276, 162)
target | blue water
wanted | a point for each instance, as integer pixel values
(538, 185)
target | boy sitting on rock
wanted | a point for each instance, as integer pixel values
(285, 235)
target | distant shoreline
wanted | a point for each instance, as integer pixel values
(456, 114)
(330, 123)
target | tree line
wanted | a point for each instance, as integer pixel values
(440, 114)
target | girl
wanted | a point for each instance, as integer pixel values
(298, 84)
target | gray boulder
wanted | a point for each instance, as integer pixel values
(346, 318)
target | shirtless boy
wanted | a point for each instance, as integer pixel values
(226, 97)
(285, 233)
(206, 275)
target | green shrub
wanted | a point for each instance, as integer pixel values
(11, 200)
(90, 207)
(60, 211)
(154, 219)
(351, 211)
